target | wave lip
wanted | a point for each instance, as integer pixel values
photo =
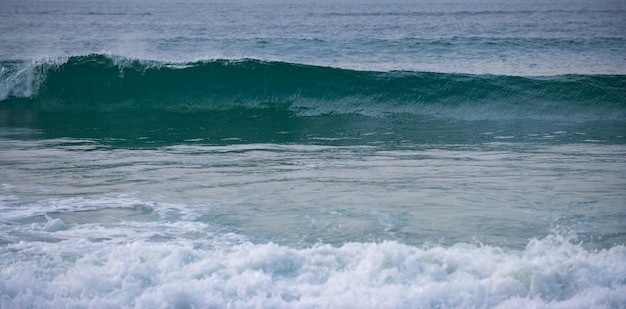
(100, 83)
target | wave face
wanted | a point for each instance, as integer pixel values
(113, 92)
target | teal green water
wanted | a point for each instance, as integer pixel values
(103, 83)
(253, 101)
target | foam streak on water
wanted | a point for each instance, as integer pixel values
(304, 194)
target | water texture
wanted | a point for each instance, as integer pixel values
(276, 154)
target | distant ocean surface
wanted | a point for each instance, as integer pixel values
(330, 154)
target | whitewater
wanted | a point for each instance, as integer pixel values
(277, 154)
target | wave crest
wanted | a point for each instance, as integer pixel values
(93, 81)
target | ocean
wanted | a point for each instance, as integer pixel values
(327, 154)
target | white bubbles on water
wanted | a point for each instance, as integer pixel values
(54, 225)
(549, 273)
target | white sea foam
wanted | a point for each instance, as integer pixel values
(549, 273)
(54, 225)
(21, 79)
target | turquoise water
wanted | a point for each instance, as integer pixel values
(322, 155)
